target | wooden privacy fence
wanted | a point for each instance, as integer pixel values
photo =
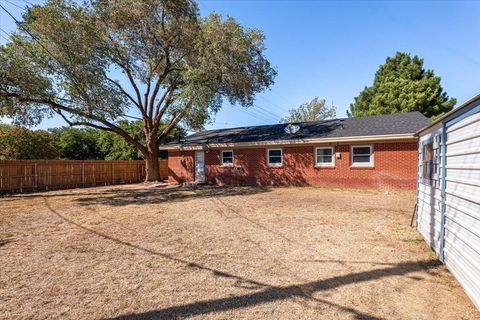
(43, 175)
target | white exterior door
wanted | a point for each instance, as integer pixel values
(199, 166)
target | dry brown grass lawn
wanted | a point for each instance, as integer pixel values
(150, 252)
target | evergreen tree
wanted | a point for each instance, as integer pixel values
(403, 85)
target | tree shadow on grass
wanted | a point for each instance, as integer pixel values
(4, 242)
(276, 293)
(265, 293)
(166, 194)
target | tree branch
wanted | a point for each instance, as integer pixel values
(159, 112)
(81, 123)
(121, 90)
(125, 67)
(174, 121)
(59, 107)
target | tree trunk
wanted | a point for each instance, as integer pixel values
(151, 160)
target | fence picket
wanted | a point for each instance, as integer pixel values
(41, 175)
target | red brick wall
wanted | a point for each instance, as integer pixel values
(395, 165)
(180, 166)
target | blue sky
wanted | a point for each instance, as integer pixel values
(332, 49)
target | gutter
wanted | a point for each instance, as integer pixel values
(448, 114)
(259, 144)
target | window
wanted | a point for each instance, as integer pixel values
(430, 155)
(226, 158)
(427, 161)
(361, 155)
(324, 156)
(274, 157)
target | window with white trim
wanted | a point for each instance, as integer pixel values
(324, 156)
(430, 165)
(361, 155)
(275, 157)
(226, 158)
(427, 161)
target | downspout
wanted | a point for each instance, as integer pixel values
(441, 256)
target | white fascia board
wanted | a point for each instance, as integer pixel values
(259, 144)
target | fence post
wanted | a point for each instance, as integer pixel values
(21, 183)
(139, 175)
(35, 176)
(113, 173)
(49, 177)
(83, 174)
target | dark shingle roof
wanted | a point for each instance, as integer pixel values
(398, 123)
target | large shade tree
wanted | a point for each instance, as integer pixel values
(114, 147)
(95, 62)
(401, 84)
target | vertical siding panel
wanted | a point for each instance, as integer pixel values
(462, 211)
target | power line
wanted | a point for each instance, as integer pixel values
(28, 2)
(7, 35)
(282, 97)
(262, 114)
(275, 104)
(14, 4)
(266, 111)
(252, 114)
(19, 24)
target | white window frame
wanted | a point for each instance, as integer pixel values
(221, 158)
(362, 164)
(268, 157)
(324, 164)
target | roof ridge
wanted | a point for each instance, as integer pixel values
(315, 121)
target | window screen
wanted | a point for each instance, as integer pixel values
(324, 156)
(275, 156)
(362, 155)
(227, 157)
(427, 161)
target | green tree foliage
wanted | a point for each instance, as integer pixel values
(94, 144)
(94, 62)
(78, 143)
(17, 143)
(116, 148)
(314, 110)
(403, 85)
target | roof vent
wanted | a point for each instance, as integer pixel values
(291, 129)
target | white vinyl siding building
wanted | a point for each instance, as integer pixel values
(429, 194)
(448, 204)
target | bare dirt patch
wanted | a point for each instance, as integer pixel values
(153, 252)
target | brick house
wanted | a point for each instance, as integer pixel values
(376, 151)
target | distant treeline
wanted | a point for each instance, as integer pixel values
(19, 143)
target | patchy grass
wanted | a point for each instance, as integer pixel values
(154, 252)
